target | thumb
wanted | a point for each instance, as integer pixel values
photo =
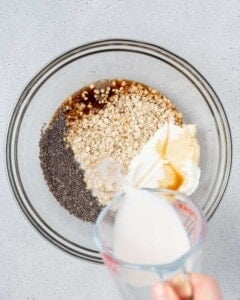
(163, 291)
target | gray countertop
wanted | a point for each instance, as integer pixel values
(206, 33)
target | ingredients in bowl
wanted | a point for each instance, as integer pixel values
(109, 119)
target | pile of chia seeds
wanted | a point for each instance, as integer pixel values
(62, 173)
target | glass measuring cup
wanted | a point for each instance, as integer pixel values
(135, 281)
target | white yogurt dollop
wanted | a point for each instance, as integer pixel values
(170, 159)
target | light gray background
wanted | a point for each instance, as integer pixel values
(206, 33)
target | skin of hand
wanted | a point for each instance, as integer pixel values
(204, 288)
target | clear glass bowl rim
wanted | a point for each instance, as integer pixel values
(89, 49)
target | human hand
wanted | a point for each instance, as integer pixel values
(204, 288)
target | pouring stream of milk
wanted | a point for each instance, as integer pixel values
(148, 230)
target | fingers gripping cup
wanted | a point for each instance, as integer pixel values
(149, 235)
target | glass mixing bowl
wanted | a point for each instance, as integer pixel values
(126, 59)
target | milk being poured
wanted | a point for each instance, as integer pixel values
(148, 230)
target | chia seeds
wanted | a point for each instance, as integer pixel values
(63, 175)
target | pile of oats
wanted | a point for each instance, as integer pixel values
(127, 114)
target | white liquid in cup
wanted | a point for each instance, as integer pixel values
(148, 230)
